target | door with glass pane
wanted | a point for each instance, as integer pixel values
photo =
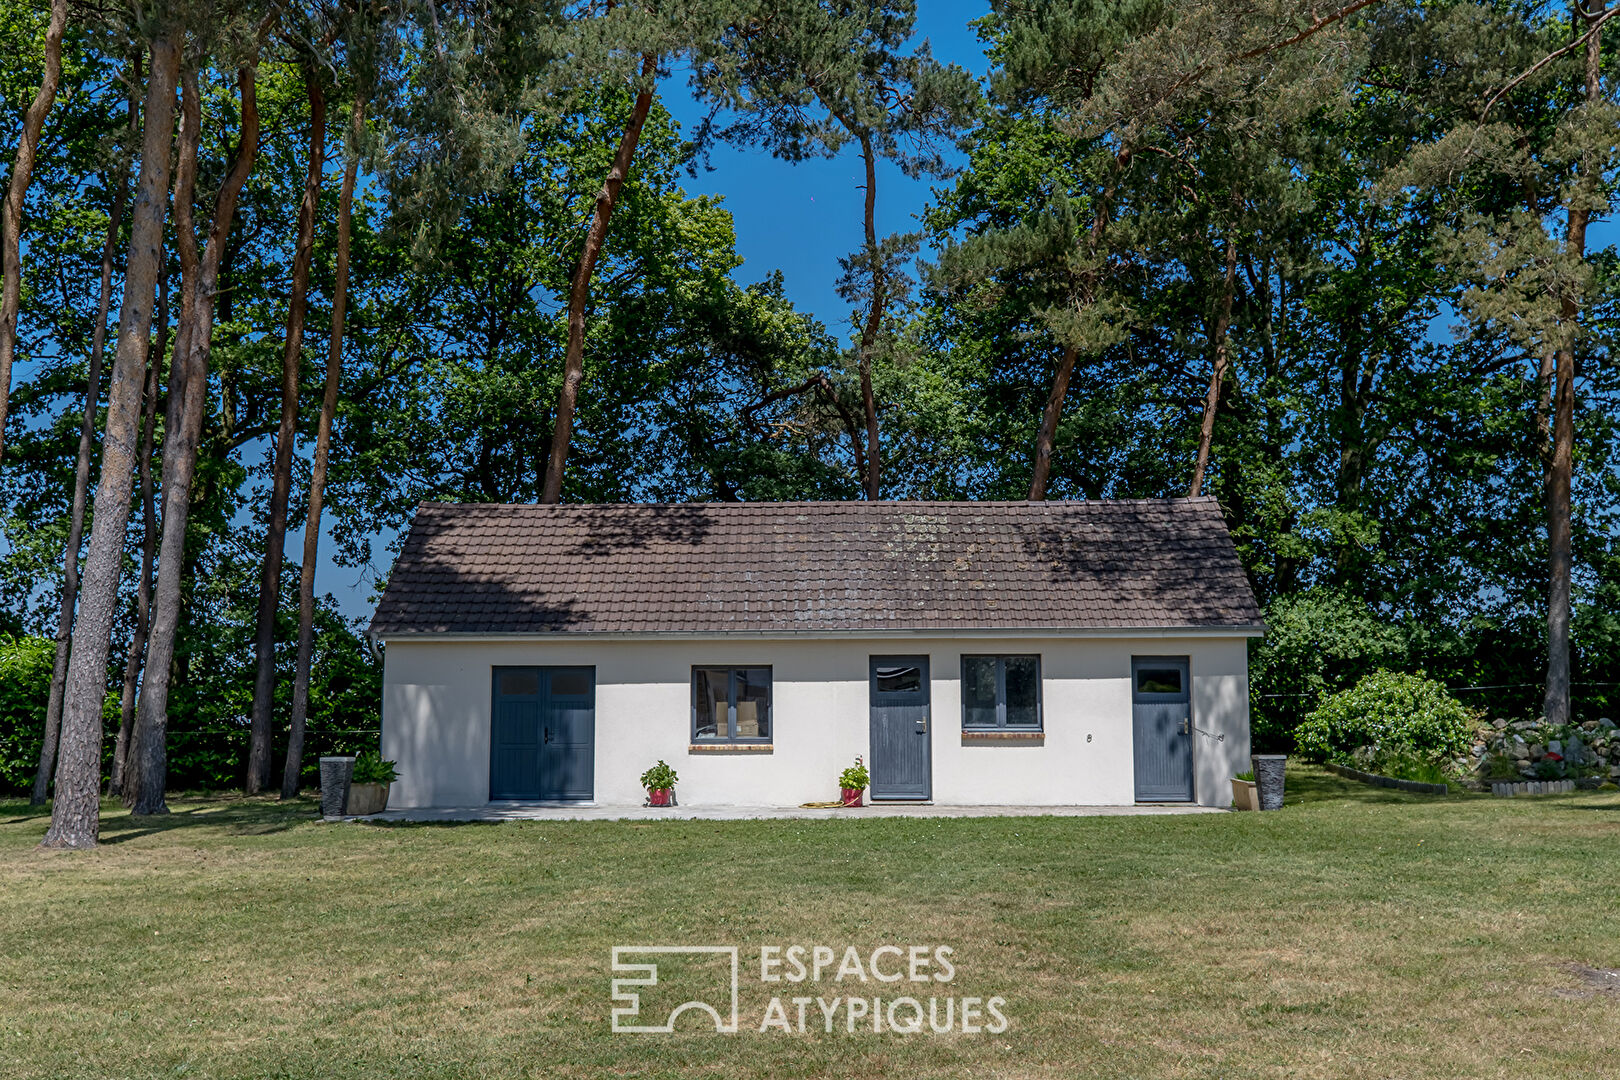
(543, 734)
(1161, 722)
(900, 755)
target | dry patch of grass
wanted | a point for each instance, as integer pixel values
(1359, 933)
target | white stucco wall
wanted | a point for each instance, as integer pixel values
(437, 700)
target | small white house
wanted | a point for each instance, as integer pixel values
(1047, 653)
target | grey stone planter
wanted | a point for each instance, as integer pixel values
(1268, 777)
(336, 772)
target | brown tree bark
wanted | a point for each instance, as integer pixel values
(146, 768)
(317, 478)
(873, 325)
(579, 291)
(22, 171)
(81, 489)
(120, 779)
(1217, 376)
(1560, 473)
(1049, 421)
(1045, 441)
(76, 815)
(264, 643)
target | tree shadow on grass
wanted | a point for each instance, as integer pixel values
(235, 814)
(231, 813)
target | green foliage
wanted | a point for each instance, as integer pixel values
(1387, 713)
(1407, 765)
(855, 777)
(1501, 767)
(25, 684)
(1317, 642)
(659, 778)
(1246, 775)
(370, 768)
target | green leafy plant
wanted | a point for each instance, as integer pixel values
(1246, 776)
(370, 768)
(1388, 713)
(1404, 765)
(659, 778)
(854, 778)
(1501, 767)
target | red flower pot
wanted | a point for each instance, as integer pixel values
(852, 796)
(659, 796)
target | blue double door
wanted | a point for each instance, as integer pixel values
(543, 734)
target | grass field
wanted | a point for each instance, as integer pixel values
(1358, 933)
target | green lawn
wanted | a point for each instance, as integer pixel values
(1358, 933)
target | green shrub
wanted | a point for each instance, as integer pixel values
(1247, 776)
(370, 768)
(25, 685)
(1317, 642)
(1406, 765)
(659, 778)
(1388, 713)
(855, 778)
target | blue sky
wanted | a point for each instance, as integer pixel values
(800, 219)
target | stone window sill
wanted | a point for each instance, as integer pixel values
(729, 748)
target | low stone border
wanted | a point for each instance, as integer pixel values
(1388, 781)
(1506, 789)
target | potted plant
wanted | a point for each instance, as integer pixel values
(1245, 793)
(368, 791)
(660, 784)
(852, 782)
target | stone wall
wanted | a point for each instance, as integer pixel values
(1587, 749)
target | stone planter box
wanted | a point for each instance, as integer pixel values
(367, 799)
(1375, 779)
(1245, 794)
(1268, 778)
(336, 773)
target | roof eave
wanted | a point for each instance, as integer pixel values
(1252, 630)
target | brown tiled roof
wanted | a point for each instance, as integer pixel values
(819, 566)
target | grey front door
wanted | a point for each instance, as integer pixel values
(900, 722)
(1161, 721)
(543, 733)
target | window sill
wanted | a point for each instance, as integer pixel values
(999, 736)
(729, 748)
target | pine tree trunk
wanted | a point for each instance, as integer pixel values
(579, 291)
(1217, 376)
(874, 323)
(146, 770)
(317, 478)
(120, 779)
(264, 643)
(76, 815)
(1047, 437)
(1560, 473)
(22, 171)
(81, 488)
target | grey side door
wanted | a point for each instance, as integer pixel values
(901, 759)
(1161, 723)
(543, 733)
(568, 735)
